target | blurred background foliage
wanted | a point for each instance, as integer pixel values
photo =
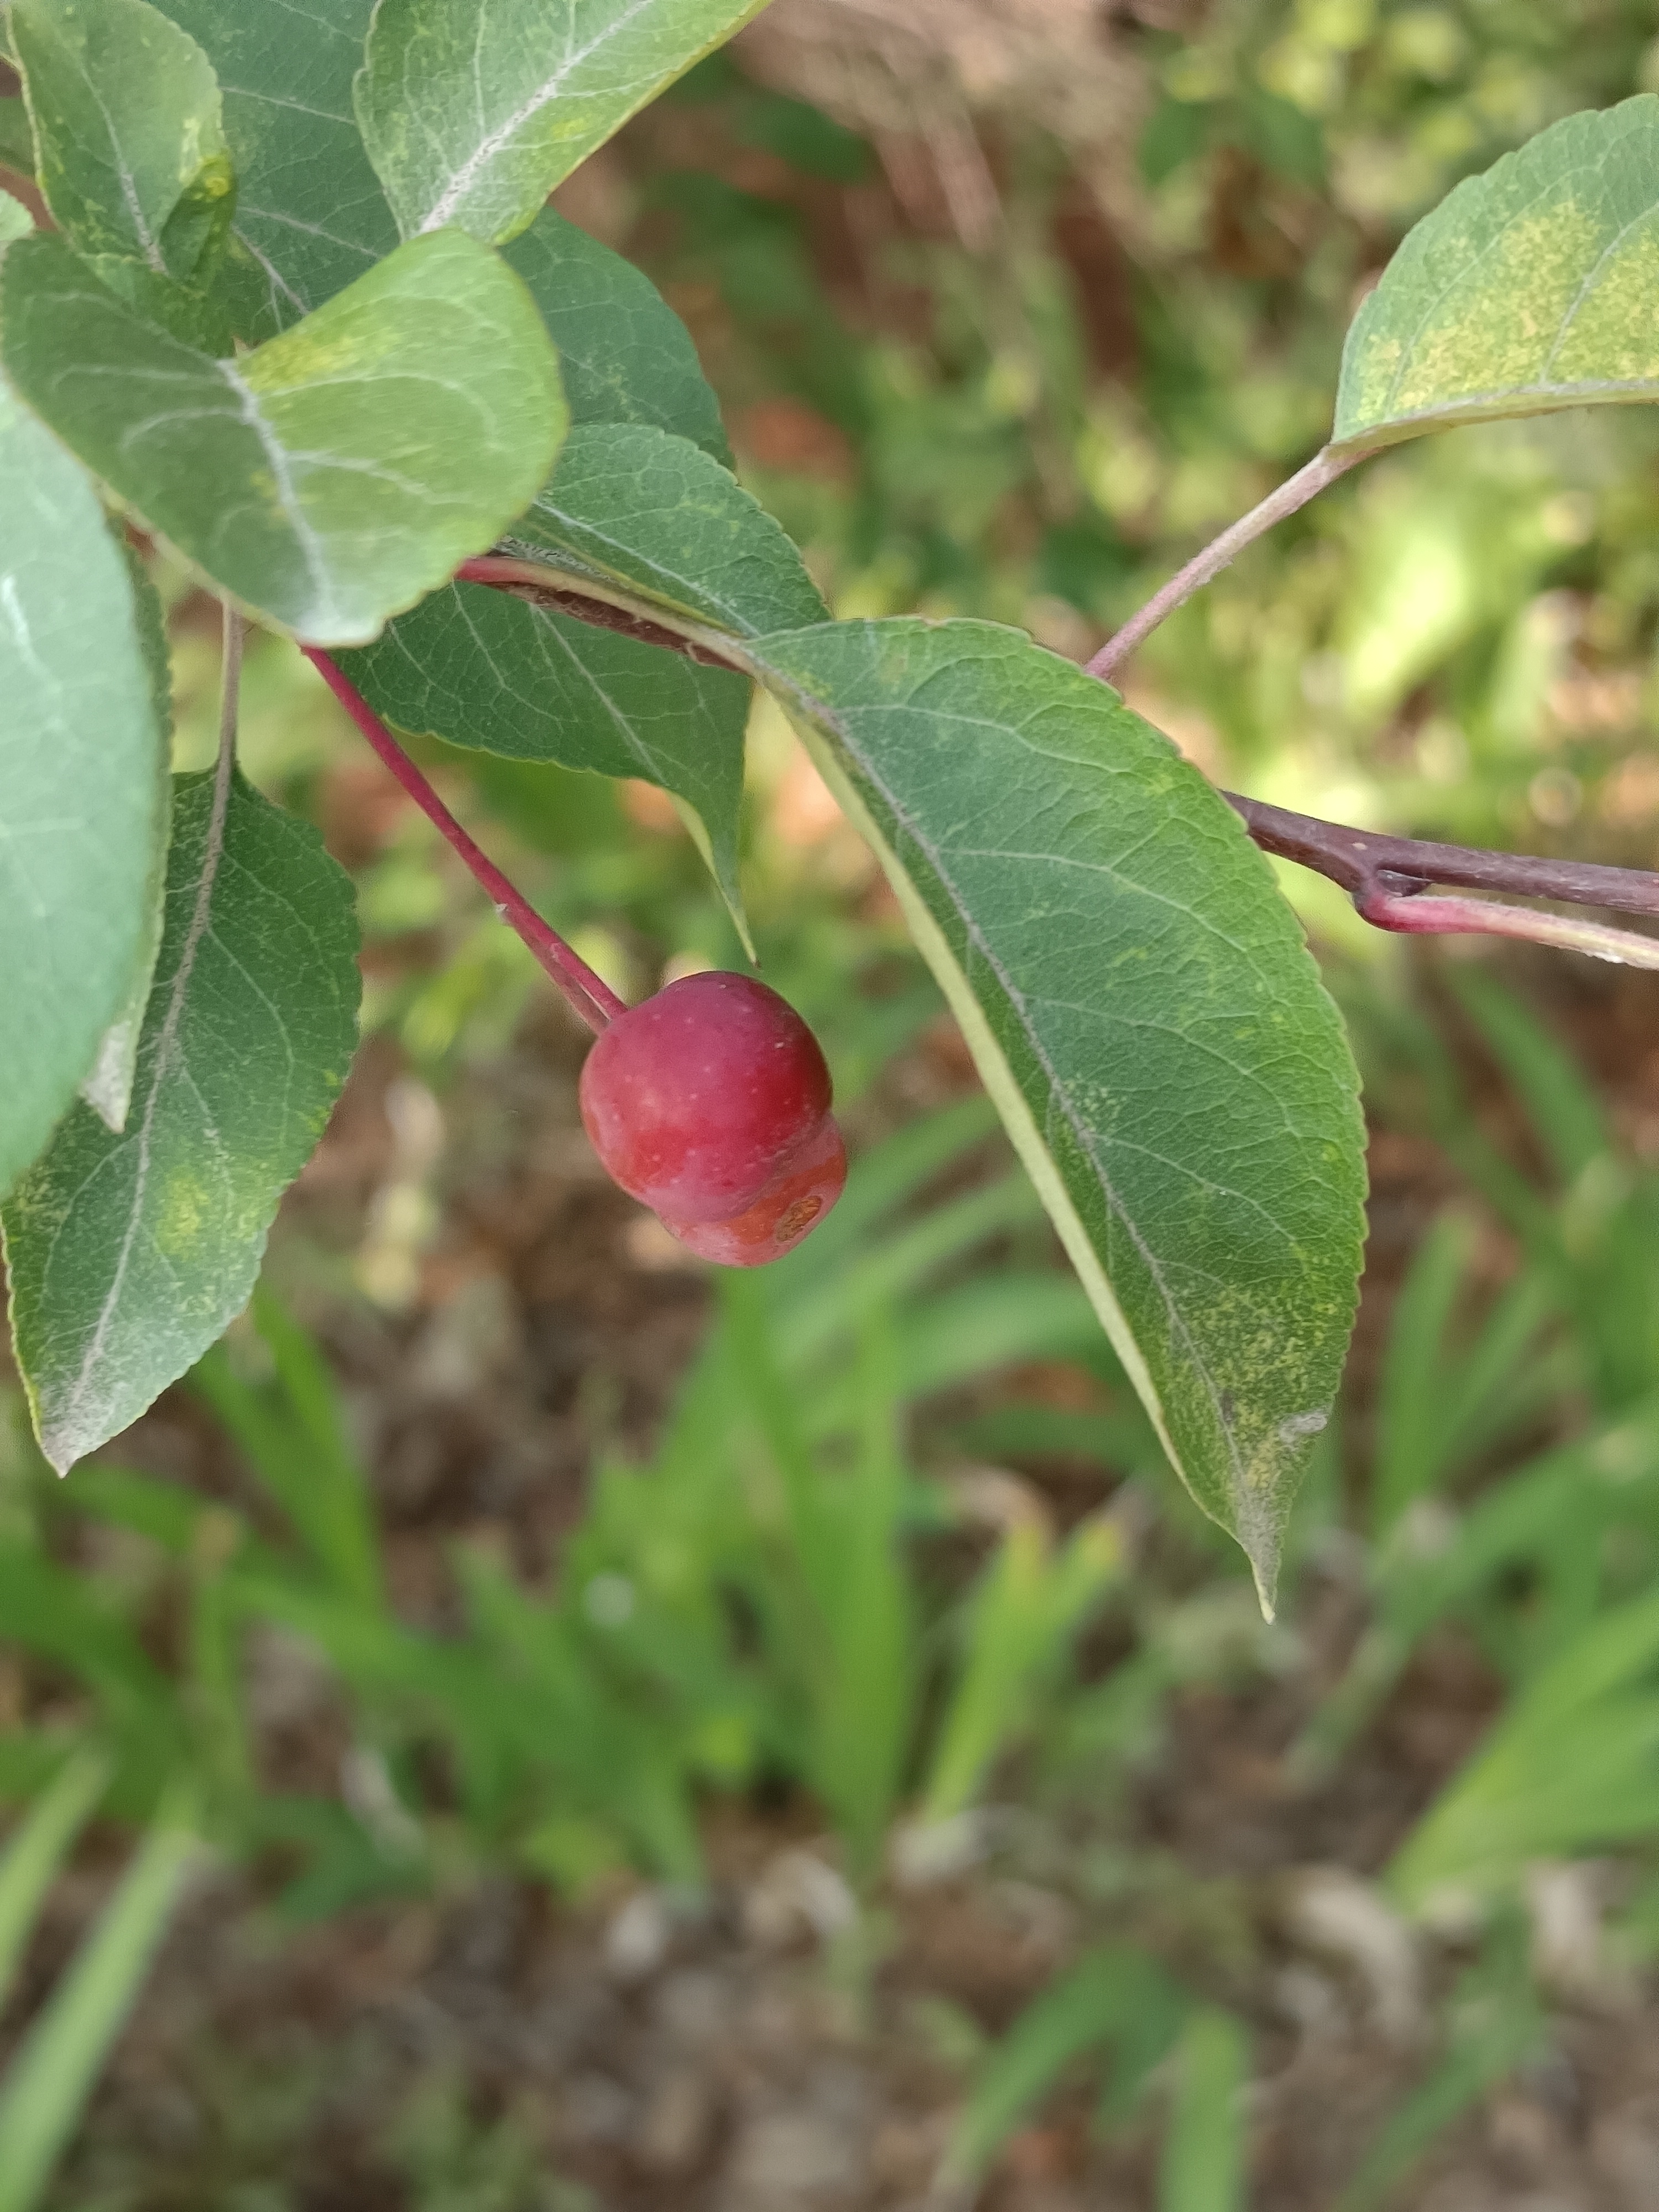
(496, 1554)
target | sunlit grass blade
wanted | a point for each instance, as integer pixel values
(1412, 1438)
(1559, 1100)
(1112, 1995)
(905, 1257)
(1204, 2168)
(52, 2076)
(294, 1439)
(1025, 1613)
(38, 1847)
(1569, 1768)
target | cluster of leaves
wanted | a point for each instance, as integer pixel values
(324, 423)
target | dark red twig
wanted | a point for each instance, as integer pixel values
(588, 994)
(1366, 864)
(1388, 879)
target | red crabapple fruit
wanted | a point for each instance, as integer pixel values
(699, 1099)
(796, 1201)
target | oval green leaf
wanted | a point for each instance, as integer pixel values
(309, 210)
(83, 783)
(1527, 289)
(472, 115)
(16, 137)
(625, 354)
(133, 161)
(130, 1253)
(1144, 1012)
(332, 476)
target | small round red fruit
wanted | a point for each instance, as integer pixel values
(793, 1204)
(698, 1098)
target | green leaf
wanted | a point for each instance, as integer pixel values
(309, 212)
(479, 668)
(472, 115)
(15, 220)
(625, 354)
(633, 506)
(330, 478)
(16, 139)
(1527, 288)
(107, 1087)
(126, 107)
(1143, 1011)
(130, 1253)
(1569, 1768)
(83, 783)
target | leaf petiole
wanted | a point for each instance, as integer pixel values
(1326, 466)
(1386, 877)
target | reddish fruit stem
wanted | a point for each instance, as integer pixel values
(588, 994)
(1413, 915)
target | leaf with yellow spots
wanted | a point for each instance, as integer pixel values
(130, 142)
(336, 474)
(1143, 1010)
(129, 1253)
(1528, 289)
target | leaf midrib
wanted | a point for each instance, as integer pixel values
(166, 1046)
(462, 180)
(1059, 1095)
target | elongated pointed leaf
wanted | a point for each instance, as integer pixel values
(126, 109)
(309, 209)
(472, 113)
(478, 667)
(1143, 1011)
(1527, 288)
(631, 504)
(83, 783)
(332, 476)
(625, 354)
(130, 1253)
